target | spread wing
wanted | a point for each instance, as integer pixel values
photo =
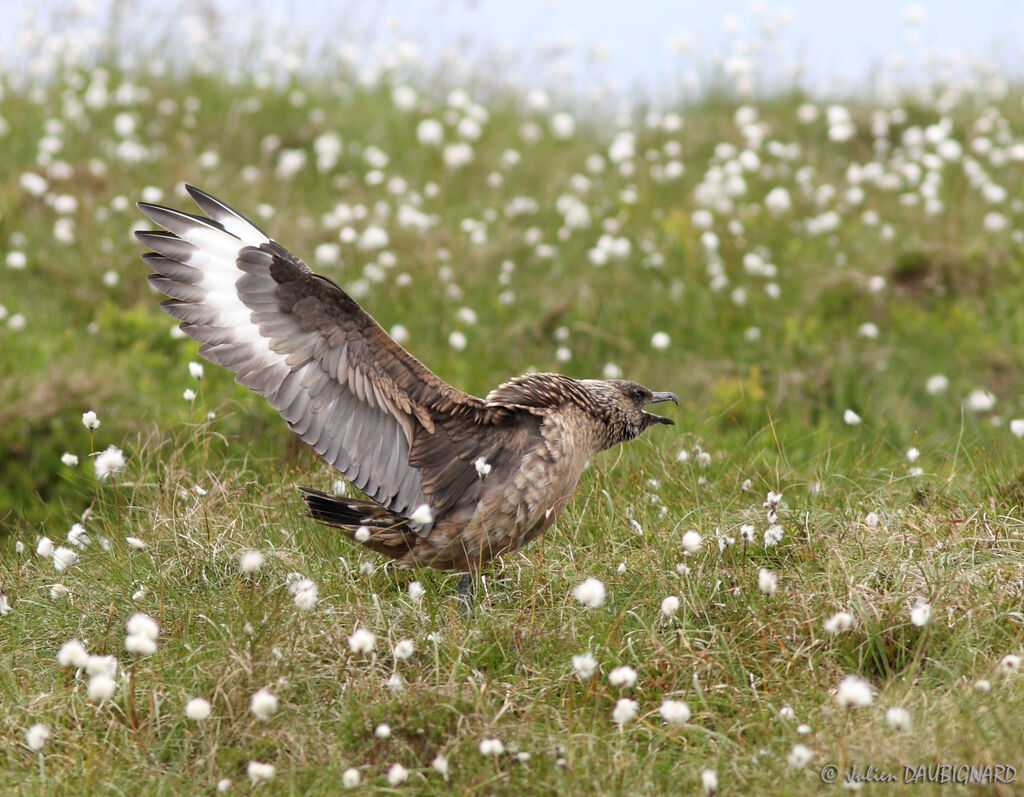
(372, 410)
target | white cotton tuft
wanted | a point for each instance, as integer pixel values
(63, 558)
(422, 515)
(584, 665)
(674, 712)
(263, 704)
(142, 625)
(73, 654)
(362, 641)
(590, 592)
(854, 692)
(397, 775)
(109, 462)
(101, 688)
(259, 771)
(624, 711)
(250, 561)
(140, 645)
(623, 677)
(351, 778)
(37, 736)
(197, 709)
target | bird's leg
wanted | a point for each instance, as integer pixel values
(467, 591)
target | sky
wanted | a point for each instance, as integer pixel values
(637, 42)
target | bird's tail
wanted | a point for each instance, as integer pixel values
(389, 533)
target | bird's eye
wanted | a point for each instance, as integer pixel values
(636, 393)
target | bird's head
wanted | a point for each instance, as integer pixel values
(622, 403)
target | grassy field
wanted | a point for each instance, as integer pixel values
(833, 287)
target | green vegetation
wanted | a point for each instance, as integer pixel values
(767, 348)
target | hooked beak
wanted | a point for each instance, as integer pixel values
(657, 398)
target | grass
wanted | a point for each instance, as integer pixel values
(210, 479)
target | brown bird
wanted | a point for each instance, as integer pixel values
(454, 480)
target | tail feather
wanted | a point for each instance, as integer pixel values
(389, 532)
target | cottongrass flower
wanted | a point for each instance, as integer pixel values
(692, 541)
(850, 417)
(416, 591)
(624, 711)
(109, 463)
(5, 605)
(397, 775)
(669, 605)
(260, 771)
(197, 709)
(767, 581)
(263, 704)
(838, 622)
(101, 688)
(37, 736)
(135, 543)
(351, 778)
(44, 547)
(250, 561)
(362, 534)
(306, 594)
(920, 614)
(440, 765)
(709, 781)
(772, 535)
(871, 520)
(936, 384)
(404, 649)
(491, 747)
(58, 591)
(382, 731)
(90, 421)
(983, 685)
(196, 370)
(980, 400)
(674, 712)
(362, 641)
(101, 665)
(73, 654)
(423, 514)
(72, 461)
(898, 718)
(223, 785)
(1017, 427)
(142, 625)
(63, 558)
(853, 692)
(747, 533)
(623, 677)
(799, 756)
(590, 592)
(77, 536)
(140, 645)
(483, 468)
(1010, 663)
(189, 395)
(430, 133)
(660, 341)
(584, 665)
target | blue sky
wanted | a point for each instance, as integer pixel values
(835, 39)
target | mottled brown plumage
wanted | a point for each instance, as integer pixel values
(454, 480)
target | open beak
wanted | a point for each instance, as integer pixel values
(657, 398)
